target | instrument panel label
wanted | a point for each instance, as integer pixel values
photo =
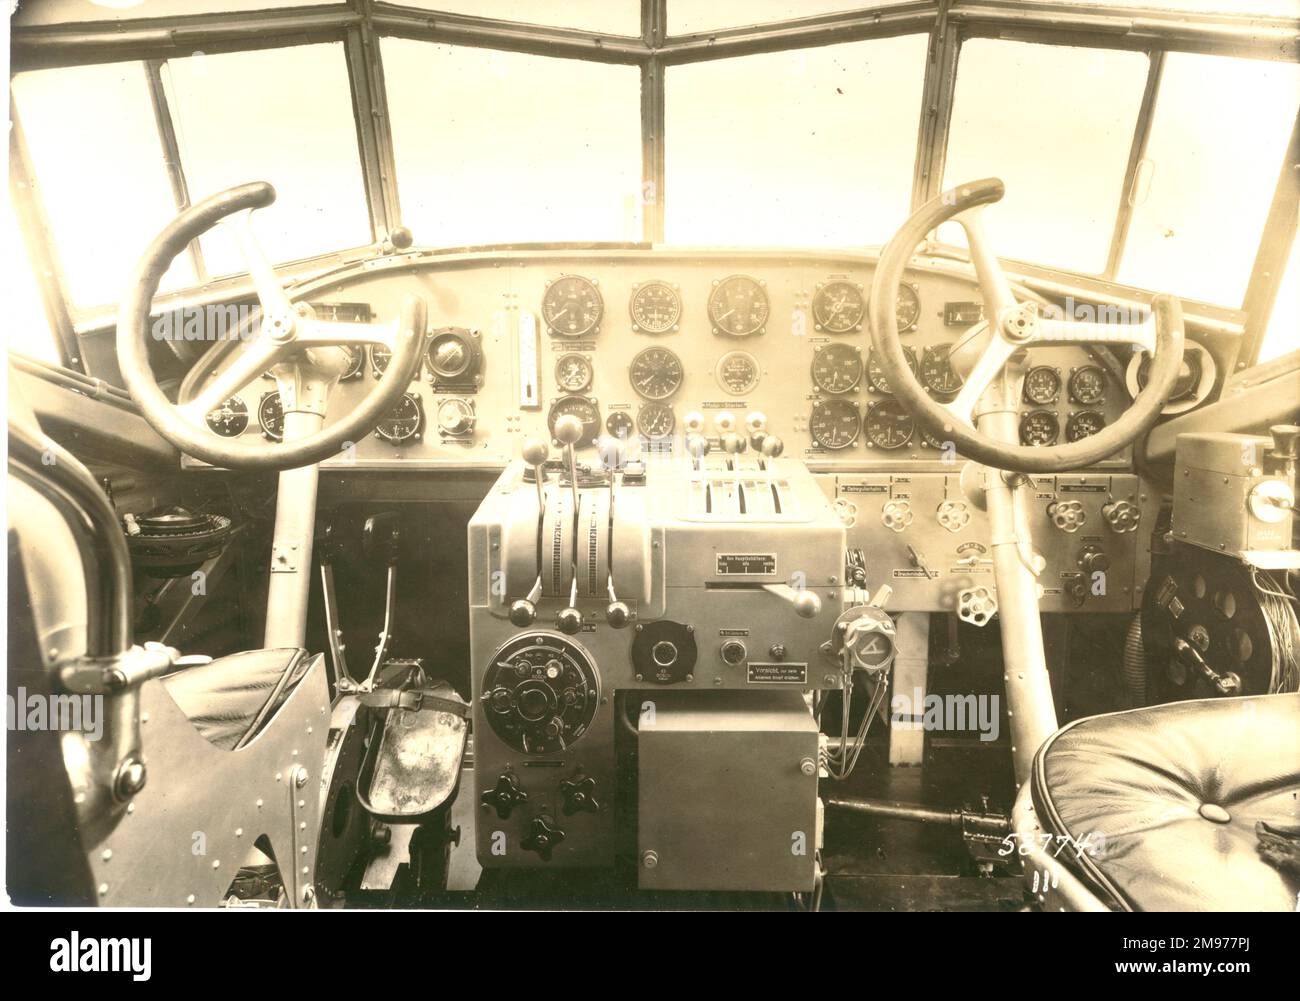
(746, 564)
(778, 673)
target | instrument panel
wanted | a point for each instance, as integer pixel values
(651, 345)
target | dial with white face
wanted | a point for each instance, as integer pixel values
(656, 307)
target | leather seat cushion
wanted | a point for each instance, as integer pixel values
(1175, 791)
(229, 699)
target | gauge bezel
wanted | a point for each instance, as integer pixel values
(591, 429)
(873, 410)
(239, 408)
(760, 287)
(854, 356)
(1037, 400)
(467, 373)
(1072, 422)
(1030, 415)
(1071, 386)
(262, 404)
(823, 290)
(835, 403)
(914, 291)
(876, 379)
(648, 412)
(588, 368)
(593, 326)
(374, 350)
(415, 435)
(749, 360)
(656, 349)
(639, 290)
(928, 352)
(626, 431)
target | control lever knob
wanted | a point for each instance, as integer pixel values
(617, 614)
(536, 452)
(568, 429)
(613, 452)
(733, 444)
(523, 613)
(772, 446)
(569, 621)
(697, 445)
(807, 604)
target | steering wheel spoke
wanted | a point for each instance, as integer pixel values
(270, 293)
(990, 363)
(1089, 332)
(251, 361)
(994, 286)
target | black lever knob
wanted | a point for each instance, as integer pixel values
(542, 838)
(579, 794)
(505, 796)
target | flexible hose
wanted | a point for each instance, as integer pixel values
(1135, 662)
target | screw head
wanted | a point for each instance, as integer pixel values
(650, 859)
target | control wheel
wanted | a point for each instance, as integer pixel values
(540, 692)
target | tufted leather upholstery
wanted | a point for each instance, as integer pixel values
(229, 699)
(1176, 791)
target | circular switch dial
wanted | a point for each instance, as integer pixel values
(540, 692)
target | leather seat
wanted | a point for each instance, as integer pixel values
(1175, 792)
(229, 699)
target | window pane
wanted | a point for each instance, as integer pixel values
(100, 173)
(278, 115)
(1064, 173)
(606, 17)
(1283, 334)
(501, 147)
(27, 329)
(68, 11)
(688, 16)
(1269, 8)
(811, 147)
(1217, 140)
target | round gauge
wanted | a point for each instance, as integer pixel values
(455, 418)
(907, 307)
(1040, 428)
(229, 420)
(540, 692)
(1084, 424)
(572, 306)
(737, 372)
(1087, 384)
(1189, 376)
(888, 424)
(573, 373)
(876, 375)
(834, 424)
(582, 407)
(1042, 385)
(620, 424)
(838, 307)
(404, 422)
(380, 356)
(270, 416)
(656, 420)
(738, 306)
(656, 307)
(930, 440)
(836, 368)
(937, 372)
(356, 361)
(453, 355)
(656, 373)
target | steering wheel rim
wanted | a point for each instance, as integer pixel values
(1012, 326)
(173, 422)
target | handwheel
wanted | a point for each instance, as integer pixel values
(1012, 326)
(302, 351)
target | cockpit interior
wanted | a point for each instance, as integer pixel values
(771, 455)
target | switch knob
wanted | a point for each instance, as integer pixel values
(542, 838)
(569, 620)
(732, 443)
(505, 796)
(579, 795)
(617, 614)
(733, 652)
(1094, 560)
(772, 446)
(523, 613)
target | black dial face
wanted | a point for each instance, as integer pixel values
(656, 308)
(930, 440)
(1084, 424)
(270, 416)
(937, 372)
(620, 424)
(838, 307)
(888, 425)
(572, 306)
(540, 693)
(1189, 375)
(907, 307)
(404, 423)
(876, 375)
(453, 355)
(229, 420)
(573, 373)
(1042, 385)
(656, 420)
(582, 407)
(1040, 428)
(1087, 384)
(737, 372)
(379, 358)
(834, 424)
(655, 373)
(738, 307)
(836, 368)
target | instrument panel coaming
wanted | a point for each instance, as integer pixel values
(804, 372)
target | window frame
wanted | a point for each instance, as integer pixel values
(360, 23)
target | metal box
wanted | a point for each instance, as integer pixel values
(1216, 476)
(727, 791)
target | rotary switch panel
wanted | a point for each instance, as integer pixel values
(540, 693)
